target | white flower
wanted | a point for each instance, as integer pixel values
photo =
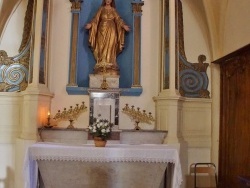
(100, 127)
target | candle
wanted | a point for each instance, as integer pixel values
(109, 113)
(48, 123)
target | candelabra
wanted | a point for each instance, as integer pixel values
(71, 114)
(137, 116)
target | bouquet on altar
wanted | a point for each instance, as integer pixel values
(101, 128)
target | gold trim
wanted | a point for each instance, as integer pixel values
(27, 25)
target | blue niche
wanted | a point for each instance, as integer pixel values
(85, 61)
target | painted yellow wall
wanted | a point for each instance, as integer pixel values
(237, 27)
(11, 28)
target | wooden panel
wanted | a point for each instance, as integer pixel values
(234, 148)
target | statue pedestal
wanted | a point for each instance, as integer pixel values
(96, 80)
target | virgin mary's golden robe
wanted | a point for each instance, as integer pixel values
(106, 38)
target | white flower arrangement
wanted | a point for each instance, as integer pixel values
(100, 128)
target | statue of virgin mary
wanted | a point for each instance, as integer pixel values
(106, 38)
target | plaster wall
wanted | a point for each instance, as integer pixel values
(236, 28)
(13, 30)
(9, 129)
(7, 165)
(196, 123)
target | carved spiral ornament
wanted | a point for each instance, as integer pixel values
(2, 72)
(191, 81)
(13, 74)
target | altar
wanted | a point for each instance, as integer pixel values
(114, 166)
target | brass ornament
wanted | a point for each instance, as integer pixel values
(71, 114)
(104, 84)
(137, 116)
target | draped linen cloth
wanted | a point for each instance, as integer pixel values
(148, 153)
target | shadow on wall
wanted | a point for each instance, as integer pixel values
(8, 181)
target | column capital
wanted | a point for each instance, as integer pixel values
(136, 6)
(76, 5)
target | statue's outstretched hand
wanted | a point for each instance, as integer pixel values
(88, 26)
(126, 28)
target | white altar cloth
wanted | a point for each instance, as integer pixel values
(149, 153)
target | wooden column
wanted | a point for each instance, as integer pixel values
(137, 12)
(75, 10)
